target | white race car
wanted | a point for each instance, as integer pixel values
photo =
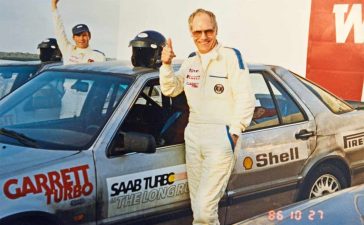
(73, 141)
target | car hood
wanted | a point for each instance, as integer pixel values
(16, 158)
(343, 207)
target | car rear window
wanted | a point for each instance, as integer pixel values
(335, 104)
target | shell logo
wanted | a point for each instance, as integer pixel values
(248, 163)
(171, 178)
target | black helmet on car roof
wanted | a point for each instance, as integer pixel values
(49, 50)
(147, 49)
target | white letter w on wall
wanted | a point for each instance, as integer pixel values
(353, 19)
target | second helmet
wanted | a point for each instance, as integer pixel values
(147, 49)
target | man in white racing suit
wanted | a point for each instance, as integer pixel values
(221, 103)
(81, 51)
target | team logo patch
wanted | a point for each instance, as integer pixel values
(219, 88)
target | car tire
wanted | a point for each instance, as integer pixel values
(325, 179)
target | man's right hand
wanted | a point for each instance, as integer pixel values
(167, 53)
(54, 4)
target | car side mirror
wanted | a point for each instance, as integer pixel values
(128, 142)
(139, 142)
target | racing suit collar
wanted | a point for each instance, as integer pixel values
(214, 52)
(81, 49)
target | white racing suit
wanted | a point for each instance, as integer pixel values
(70, 53)
(221, 102)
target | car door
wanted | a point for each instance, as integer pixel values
(135, 188)
(272, 151)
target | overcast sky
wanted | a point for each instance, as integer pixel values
(265, 31)
(25, 23)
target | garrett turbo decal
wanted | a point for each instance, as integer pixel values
(353, 140)
(58, 186)
(146, 189)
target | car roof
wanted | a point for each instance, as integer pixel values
(116, 67)
(125, 67)
(19, 63)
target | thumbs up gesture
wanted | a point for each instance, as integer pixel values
(167, 53)
(54, 4)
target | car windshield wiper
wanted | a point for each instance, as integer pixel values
(19, 137)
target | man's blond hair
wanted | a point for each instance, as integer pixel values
(202, 11)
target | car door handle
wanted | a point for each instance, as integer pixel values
(304, 134)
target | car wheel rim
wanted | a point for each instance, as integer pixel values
(325, 184)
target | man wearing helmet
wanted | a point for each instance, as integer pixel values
(221, 102)
(147, 48)
(49, 51)
(80, 52)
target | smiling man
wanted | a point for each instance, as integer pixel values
(221, 103)
(80, 52)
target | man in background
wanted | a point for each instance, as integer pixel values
(80, 51)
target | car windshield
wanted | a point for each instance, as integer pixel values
(11, 77)
(60, 110)
(335, 104)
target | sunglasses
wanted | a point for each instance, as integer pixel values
(198, 33)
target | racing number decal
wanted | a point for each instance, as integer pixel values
(66, 184)
(146, 189)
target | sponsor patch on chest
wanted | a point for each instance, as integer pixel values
(192, 84)
(193, 78)
(219, 88)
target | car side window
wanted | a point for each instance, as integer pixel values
(274, 106)
(335, 104)
(265, 114)
(6, 83)
(13, 77)
(288, 109)
(114, 95)
(152, 113)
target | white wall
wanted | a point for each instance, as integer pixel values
(265, 31)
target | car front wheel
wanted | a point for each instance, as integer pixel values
(323, 180)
